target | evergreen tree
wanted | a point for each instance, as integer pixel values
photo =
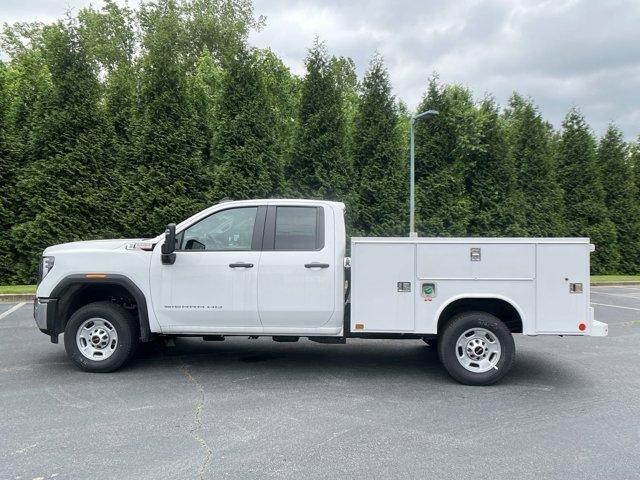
(621, 197)
(6, 176)
(380, 167)
(343, 69)
(29, 93)
(64, 191)
(283, 97)
(320, 167)
(220, 26)
(585, 210)
(444, 147)
(109, 36)
(170, 181)
(531, 145)
(634, 159)
(496, 202)
(246, 144)
(204, 92)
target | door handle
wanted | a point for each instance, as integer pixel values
(316, 265)
(241, 265)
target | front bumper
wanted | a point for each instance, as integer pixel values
(44, 314)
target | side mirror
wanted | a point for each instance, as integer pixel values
(169, 245)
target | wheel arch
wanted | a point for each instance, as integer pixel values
(73, 291)
(502, 307)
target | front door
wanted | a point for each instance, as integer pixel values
(213, 283)
(296, 276)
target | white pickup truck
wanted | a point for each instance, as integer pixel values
(278, 268)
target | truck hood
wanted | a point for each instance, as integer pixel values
(91, 245)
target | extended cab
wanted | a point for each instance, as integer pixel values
(278, 268)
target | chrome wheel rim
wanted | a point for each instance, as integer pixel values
(97, 339)
(478, 350)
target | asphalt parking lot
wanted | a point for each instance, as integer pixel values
(369, 409)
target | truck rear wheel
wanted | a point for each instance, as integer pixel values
(101, 337)
(476, 348)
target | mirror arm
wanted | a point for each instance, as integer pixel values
(168, 258)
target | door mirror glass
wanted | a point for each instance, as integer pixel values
(169, 244)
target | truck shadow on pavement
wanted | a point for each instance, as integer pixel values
(375, 359)
(360, 360)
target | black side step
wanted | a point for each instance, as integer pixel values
(213, 338)
(332, 340)
(285, 339)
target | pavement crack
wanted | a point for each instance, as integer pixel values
(196, 431)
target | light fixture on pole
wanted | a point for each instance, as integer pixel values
(412, 187)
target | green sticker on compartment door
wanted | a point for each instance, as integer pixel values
(429, 290)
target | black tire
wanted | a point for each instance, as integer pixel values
(127, 336)
(459, 325)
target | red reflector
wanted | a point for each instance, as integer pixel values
(582, 327)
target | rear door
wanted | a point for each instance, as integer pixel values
(296, 274)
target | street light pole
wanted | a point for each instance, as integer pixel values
(412, 186)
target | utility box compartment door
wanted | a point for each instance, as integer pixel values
(482, 261)
(562, 286)
(383, 287)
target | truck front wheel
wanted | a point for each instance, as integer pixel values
(100, 337)
(476, 348)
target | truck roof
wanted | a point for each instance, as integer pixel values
(285, 201)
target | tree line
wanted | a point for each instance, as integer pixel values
(116, 121)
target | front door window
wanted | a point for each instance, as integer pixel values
(228, 230)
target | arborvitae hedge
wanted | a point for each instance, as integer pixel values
(380, 168)
(320, 166)
(246, 146)
(497, 205)
(621, 197)
(118, 121)
(445, 145)
(531, 145)
(586, 213)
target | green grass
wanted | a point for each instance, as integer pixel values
(17, 289)
(615, 278)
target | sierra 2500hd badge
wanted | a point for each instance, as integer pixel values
(193, 307)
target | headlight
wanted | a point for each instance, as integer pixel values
(45, 266)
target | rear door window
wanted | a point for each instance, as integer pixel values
(298, 228)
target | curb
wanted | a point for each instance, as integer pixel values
(614, 284)
(17, 297)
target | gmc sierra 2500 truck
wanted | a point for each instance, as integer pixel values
(278, 268)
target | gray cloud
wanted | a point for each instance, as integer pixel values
(559, 52)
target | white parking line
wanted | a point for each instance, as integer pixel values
(615, 306)
(622, 287)
(624, 295)
(12, 309)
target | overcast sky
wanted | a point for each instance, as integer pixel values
(560, 52)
